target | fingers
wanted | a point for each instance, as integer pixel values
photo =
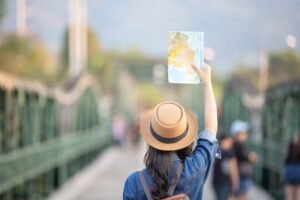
(196, 69)
(207, 66)
(199, 70)
(204, 73)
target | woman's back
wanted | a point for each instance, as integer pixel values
(194, 174)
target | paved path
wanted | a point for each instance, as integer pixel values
(104, 178)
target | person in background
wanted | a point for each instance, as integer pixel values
(225, 173)
(118, 129)
(245, 159)
(133, 132)
(291, 175)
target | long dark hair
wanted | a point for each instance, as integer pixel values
(159, 165)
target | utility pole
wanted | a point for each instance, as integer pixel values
(21, 18)
(77, 36)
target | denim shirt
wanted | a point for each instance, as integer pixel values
(194, 174)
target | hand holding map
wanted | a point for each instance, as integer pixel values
(184, 49)
(203, 73)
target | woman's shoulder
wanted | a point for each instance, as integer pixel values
(133, 178)
(132, 184)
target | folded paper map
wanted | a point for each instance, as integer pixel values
(184, 49)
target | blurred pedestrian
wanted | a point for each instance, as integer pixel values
(174, 169)
(245, 159)
(118, 129)
(291, 175)
(133, 133)
(225, 173)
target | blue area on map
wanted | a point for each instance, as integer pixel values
(177, 76)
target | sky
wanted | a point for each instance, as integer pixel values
(236, 30)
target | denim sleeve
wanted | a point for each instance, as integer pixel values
(127, 192)
(204, 154)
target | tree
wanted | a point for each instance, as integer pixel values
(2, 9)
(99, 63)
(284, 67)
(25, 57)
(93, 49)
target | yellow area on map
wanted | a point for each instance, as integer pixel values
(180, 54)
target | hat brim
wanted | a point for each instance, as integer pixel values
(152, 141)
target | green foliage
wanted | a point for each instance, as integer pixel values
(64, 57)
(25, 57)
(244, 78)
(218, 87)
(284, 67)
(93, 50)
(149, 94)
(2, 9)
(94, 59)
(98, 63)
(133, 53)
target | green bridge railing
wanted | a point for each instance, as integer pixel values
(232, 107)
(280, 122)
(46, 135)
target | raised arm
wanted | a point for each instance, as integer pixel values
(210, 107)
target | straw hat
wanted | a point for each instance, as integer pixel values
(168, 126)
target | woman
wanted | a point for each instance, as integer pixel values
(170, 131)
(291, 178)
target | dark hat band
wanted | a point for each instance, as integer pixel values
(169, 140)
